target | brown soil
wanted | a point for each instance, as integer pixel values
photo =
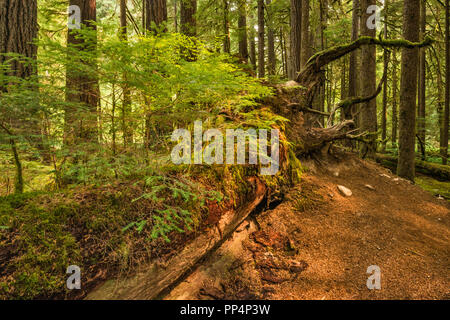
(318, 244)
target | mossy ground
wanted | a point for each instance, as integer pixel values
(434, 186)
(106, 230)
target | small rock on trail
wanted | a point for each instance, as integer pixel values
(346, 192)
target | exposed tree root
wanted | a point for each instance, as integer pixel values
(299, 98)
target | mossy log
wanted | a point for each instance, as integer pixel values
(437, 171)
(158, 278)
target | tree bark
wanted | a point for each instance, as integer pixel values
(444, 138)
(421, 114)
(188, 22)
(296, 41)
(385, 87)
(353, 72)
(252, 41)
(353, 68)
(127, 129)
(305, 34)
(368, 83)
(394, 99)
(408, 92)
(18, 30)
(242, 26)
(261, 40)
(271, 56)
(175, 15)
(82, 88)
(226, 27)
(155, 15)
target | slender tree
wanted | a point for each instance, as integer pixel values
(261, 40)
(175, 15)
(408, 91)
(127, 129)
(445, 125)
(421, 114)
(242, 26)
(353, 67)
(368, 81)
(394, 99)
(271, 56)
(295, 38)
(226, 27)
(385, 85)
(305, 34)
(252, 42)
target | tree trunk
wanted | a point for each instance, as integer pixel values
(127, 129)
(444, 138)
(252, 36)
(353, 72)
(242, 26)
(261, 40)
(271, 56)
(155, 11)
(394, 99)
(385, 87)
(188, 23)
(305, 35)
(319, 103)
(421, 120)
(353, 68)
(226, 27)
(368, 83)
(175, 15)
(155, 16)
(408, 92)
(82, 88)
(296, 41)
(18, 29)
(284, 53)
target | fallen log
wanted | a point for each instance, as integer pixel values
(437, 171)
(157, 279)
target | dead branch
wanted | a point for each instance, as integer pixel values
(346, 104)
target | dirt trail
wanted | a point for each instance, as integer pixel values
(318, 243)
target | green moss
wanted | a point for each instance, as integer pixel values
(42, 246)
(434, 186)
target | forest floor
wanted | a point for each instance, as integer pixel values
(318, 243)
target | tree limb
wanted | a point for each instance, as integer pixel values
(322, 58)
